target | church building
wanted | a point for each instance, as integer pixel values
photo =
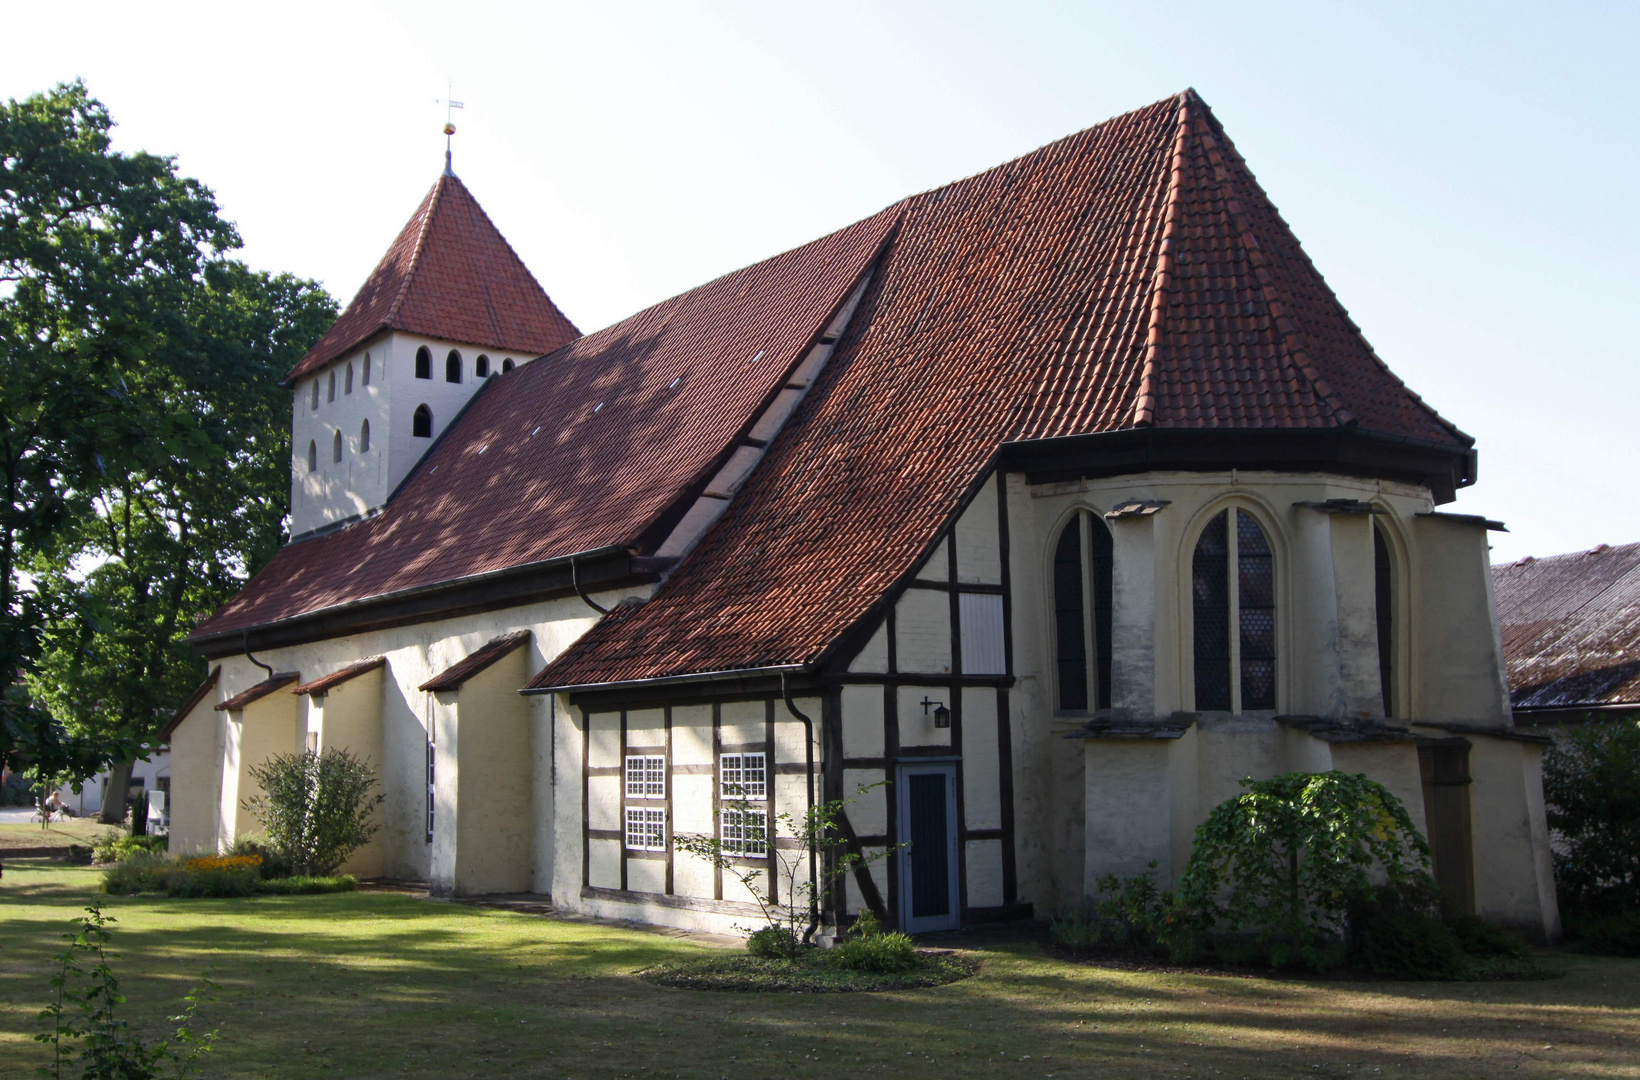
(1030, 515)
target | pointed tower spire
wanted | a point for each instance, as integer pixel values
(450, 106)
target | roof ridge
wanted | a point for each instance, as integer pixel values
(1294, 354)
(425, 227)
(1144, 405)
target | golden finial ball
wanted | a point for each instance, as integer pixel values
(449, 129)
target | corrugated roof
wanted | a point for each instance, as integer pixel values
(449, 275)
(1131, 275)
(1571, 628)
(583, 449)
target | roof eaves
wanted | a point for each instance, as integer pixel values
(188, 706)
(492, 651)
(342, 675)
(257, 692)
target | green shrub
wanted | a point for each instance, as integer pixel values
(774, 943)
(1401, 943)
(1479, 938)
(1614, 935)
(1594, 810)
(1287, 858)
(317, 808)
(274, 864)
(294, 886)
(1083, 935)
(230, 881)
(866, 926)
(885, 954)
(139, 874)
(117, 846)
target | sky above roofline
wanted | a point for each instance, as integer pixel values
(1460, 178)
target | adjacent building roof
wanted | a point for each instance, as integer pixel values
(1571, 628)
(450, 275)
(1133, 276)
(341, 675)
(452, 677)
(258, 692)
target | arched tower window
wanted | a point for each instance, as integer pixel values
(348, 388)
(365, 374)
(336, 447)
(1384, 596)
(506, 365)
(1082, 596)
(452, 367)
(481, 367)
(424, 363)
(1234, 604)
(421, 425)
(313, 452)
(314, 404)
(364, 437)
(330, 395)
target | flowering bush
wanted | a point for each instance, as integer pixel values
(224, 862)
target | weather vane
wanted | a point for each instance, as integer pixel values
(450, 106)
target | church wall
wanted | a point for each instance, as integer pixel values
(196, 776)
(1458, 668)
(349, 717)
(414, 654)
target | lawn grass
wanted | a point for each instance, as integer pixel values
(369, 984)
(60, 833)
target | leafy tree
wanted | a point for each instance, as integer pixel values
(1290, 855)
(144, 450)
(317, 808)
(1591, 782)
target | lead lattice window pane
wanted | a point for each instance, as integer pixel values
(744, 776)
(746, 832)
(645, 776)
(645, 829)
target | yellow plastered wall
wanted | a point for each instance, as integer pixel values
(349, 717)
(263, 729)
(196, 777)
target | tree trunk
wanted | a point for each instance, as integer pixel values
(113, 804)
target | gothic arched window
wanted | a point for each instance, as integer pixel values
(364, 437)
(1384, 597)
(336, 447)
(424, 363)
(313, 452)
(481, 367)
(421, 425)
(452, 367)
(1234, 615)
(348, 388)
(1082, 568)
(330, 395)
(506, 365)
(366, 372)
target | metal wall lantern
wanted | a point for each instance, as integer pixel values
(942, 715)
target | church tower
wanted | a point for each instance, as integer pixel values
(449, 306)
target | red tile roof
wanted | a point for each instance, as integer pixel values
(340, 675)
(1571, 628)
(450, 275)
(584, 449)
(452, 677)
(259, 691)
(1128, 276)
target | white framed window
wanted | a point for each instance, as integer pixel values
(645, 777)
(645, 829)
(745, 831)
(744, 776)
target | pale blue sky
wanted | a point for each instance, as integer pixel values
(1463, 174)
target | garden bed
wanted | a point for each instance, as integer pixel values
(812, 972)
(1477, 968)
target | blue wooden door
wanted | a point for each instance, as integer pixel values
(929, 899)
